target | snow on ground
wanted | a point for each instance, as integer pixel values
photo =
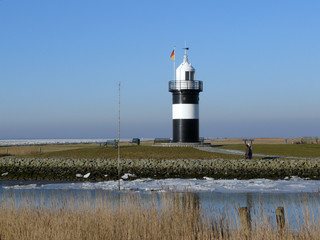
(291, 185)
(127, 175)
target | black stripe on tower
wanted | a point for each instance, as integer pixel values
(185, 97)
(185, 130)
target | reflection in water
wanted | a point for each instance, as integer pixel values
(249, 201)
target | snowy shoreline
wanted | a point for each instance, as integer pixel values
(288, 185)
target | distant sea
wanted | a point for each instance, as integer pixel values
(21, 142)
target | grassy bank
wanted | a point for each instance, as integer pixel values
(65, 162)
(293, 150)
(180, 217)
(34, 149)
(128, 152)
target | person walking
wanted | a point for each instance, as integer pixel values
(248, 151)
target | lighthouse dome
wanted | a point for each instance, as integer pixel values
(185, 71)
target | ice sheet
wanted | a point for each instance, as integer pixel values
(291, 185)
(56, 141)
(47, 141)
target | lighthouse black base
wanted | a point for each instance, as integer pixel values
(185, 104)
(185, 111)
(185, 130)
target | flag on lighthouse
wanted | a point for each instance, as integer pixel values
(172, 55)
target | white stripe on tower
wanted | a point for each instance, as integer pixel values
(185, 111)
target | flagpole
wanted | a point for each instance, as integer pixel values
(174, 64)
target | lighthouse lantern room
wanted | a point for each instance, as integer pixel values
(185, 103)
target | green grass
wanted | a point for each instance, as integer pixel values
(294, 150)
(135, 152)
(145, 152)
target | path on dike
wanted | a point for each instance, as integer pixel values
(238, 152)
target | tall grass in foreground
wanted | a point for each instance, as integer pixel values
(127, 217)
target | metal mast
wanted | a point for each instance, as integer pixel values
(119, 161)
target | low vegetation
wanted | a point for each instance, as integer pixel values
(292, 150)
(91, 151)
(128, 152)
(34, 149)
(127, 217)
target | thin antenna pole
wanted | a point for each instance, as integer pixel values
(119, 166)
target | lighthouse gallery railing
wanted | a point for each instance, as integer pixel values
(185, 85)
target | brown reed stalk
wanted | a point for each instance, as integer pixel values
(129, 217)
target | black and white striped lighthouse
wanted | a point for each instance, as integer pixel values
(185, 103)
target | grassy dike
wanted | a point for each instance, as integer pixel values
(147, 161)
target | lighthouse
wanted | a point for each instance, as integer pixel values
(185, 103)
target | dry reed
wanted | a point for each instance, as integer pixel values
(179, 216)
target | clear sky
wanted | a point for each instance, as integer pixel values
(61, 61)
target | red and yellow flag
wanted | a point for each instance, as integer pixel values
(172, 55)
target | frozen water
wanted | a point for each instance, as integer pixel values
(291, 185)
(56, 141)
(48, 141)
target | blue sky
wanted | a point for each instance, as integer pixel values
(61, 61)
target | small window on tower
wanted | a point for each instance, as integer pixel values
(191, 75)
(187, 75)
